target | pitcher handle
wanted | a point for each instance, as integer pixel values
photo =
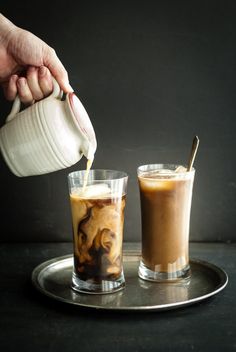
(56, 93)
(15, 109)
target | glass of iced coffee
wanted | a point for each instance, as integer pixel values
(97, 207)
(166, 196)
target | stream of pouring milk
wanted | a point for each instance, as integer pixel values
(89, 164)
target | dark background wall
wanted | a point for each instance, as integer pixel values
(151, 74)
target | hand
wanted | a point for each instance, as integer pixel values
(20, 49)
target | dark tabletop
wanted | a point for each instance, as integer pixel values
(30, 321)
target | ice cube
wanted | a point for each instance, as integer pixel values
(93, 191)
(180, 169)
(164, 171)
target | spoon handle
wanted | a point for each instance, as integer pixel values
(193, 152)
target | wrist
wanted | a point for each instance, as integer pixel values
(6, 28)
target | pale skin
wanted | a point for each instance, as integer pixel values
(27, 65)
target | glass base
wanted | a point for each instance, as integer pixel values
(159, 276)
(105, 286)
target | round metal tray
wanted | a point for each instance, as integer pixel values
(53, 278)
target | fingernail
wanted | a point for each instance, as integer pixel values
(13, 78)
(21, 82)
(42, 71)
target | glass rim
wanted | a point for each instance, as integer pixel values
(123, 174)
(160, 166)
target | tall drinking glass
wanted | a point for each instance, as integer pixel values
(166, 196)
(98, 220)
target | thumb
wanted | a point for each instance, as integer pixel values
(52, 62)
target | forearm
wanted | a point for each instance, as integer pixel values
(7, 64)
(6, 27)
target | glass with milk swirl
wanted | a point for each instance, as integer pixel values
(98, 220)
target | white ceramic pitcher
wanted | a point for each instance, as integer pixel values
(50, 135)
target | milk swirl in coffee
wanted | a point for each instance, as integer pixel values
(98, 218)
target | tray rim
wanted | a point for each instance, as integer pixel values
(221, 273)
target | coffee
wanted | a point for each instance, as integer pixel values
(98, 219)
(165, 210)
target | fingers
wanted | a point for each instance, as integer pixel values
(35, 86)
(24, 92)
(10, 89)
(45, 81)
(33, 83)
(57, 70)
(40, 82)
